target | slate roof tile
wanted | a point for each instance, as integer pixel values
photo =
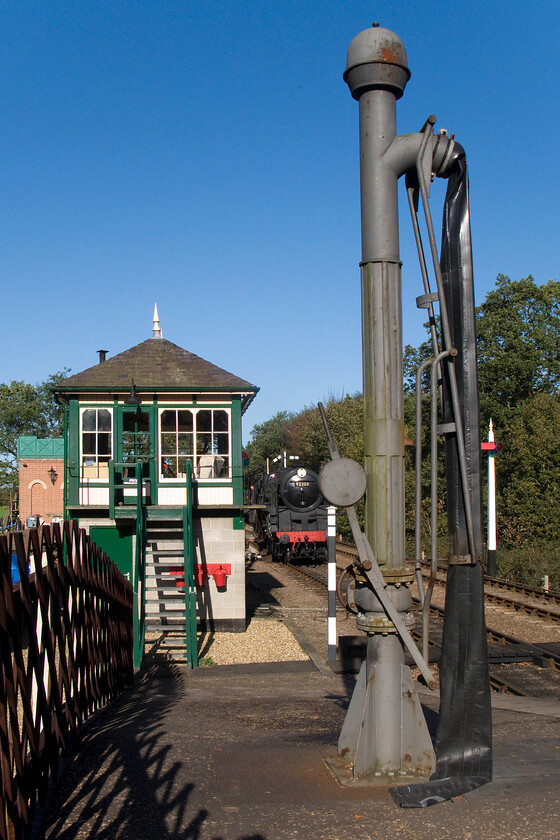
(155, 364)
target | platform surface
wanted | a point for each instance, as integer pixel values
(238, 753)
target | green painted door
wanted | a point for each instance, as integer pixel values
(116, 543)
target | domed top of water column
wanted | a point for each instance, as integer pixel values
(376, 60)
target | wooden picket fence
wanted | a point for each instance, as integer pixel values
(65, 651)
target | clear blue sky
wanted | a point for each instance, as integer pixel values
(204, 155)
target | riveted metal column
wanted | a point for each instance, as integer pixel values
(383, 410)
(384, 731)
(376, 84)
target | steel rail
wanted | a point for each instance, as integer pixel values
(536, 651)
(498, 684)
(529, 591)
(553, 597)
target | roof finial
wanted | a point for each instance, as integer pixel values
(156, 332)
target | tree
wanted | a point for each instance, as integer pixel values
(518, 344)
(518, 329)
(268, 440)
(345, 416)
(529, 474)
(26, 409)
(412, 359)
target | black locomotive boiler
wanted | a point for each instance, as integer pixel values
(292, 525)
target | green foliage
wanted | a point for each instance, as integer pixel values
(519, 374)
(345, 417)
(528, 564)
(303, 435)
(518, 328)
(269, 439)
(528, 473)
(412, 359)
(346, 423)
(26, 409)
(206, 662)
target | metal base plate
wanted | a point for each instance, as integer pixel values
(293, 775)
(343, 771)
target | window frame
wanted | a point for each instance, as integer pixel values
(96, 456)
(195, 434)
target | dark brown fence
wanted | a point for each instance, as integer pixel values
(65, 651)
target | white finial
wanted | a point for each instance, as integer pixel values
(156, 332)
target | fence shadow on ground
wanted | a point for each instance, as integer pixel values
(121, 779)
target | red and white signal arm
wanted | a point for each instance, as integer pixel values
(491, 447)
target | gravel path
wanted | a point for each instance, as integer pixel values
(276, 597)
(266, 640)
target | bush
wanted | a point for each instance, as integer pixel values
(528, 565)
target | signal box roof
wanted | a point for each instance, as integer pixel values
(156, 365)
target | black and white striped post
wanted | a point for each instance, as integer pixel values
(493, 449)
(331, 554)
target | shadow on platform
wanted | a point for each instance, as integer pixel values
(132, 788)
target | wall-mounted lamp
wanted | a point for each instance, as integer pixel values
(53, 475)
(132, 398)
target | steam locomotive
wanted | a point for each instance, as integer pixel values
(293, 525)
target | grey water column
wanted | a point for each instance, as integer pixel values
(376, 74)
(384, 731)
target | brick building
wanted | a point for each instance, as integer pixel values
(41, 478)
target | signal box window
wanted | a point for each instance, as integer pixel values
(97, 442)
(199, 435)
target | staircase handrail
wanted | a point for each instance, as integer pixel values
(190, 588)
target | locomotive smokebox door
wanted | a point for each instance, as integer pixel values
(299, 489)
(342, 482)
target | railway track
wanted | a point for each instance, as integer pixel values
(539, 595)
(530, 601)
(503, 648)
